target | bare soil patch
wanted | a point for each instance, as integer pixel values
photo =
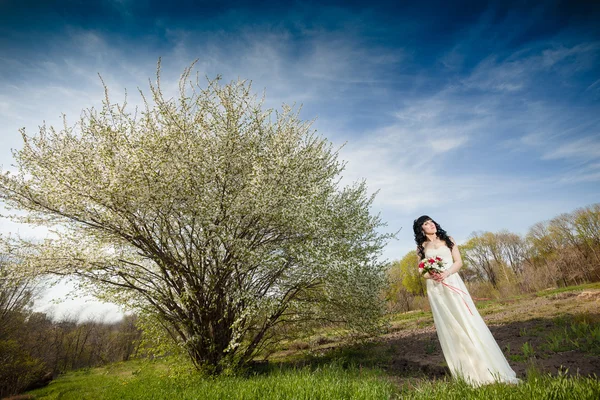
(544, 332)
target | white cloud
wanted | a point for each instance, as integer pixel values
(579, 57)
(583, 149)
(490, 74)
(443, 145)
(577, 145)
(405, 167)
(407, 154)
(516, 71)
(594, 85)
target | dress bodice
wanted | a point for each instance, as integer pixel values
(443, 252)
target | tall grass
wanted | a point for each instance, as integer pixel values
(148, 382)
(334, 374)
(135, 380)
(536, 386)
(582, 333)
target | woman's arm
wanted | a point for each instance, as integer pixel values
(456, 265)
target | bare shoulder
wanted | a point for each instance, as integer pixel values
(452, 240)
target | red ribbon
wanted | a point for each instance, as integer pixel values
(457, 290)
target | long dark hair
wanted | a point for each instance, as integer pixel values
(420, 237)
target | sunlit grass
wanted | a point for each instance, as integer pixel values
(138, 380)
(587, 286)
(324, 366)
(146, 380)
(582, 333)
(535, 386)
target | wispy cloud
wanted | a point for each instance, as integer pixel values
(462, 115)
(584, 149)
(519, 70)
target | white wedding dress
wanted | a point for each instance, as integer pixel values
(468, 345)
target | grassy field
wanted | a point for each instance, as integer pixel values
(146, 380)
(552, 340)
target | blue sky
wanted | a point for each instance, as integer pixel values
(483, 115)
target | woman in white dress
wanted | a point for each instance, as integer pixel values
(468, 345)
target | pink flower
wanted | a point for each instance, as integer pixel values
(422, 265)
(431, 261)
(438, 258)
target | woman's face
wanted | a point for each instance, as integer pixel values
(429, 227)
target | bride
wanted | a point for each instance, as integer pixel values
(468, 345)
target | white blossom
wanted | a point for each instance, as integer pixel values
(221, 219)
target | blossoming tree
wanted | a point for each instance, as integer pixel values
(221, 219)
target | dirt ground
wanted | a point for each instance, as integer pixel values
(522, 327)
(532, 320)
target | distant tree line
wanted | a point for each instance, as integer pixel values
(559, 252)
(34, 348)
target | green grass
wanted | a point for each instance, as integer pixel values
(587, 286)
(430, 347)
(578, 334)
(411, 315)
(527, 352)
(145, 380)
(156, 380)
(317, 373)
(369, 355)
(536, 386)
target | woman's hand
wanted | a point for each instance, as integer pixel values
(441, 276)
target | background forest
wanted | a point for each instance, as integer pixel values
(556, 253)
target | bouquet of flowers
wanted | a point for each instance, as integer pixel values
(436, 266)
(431, 265)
